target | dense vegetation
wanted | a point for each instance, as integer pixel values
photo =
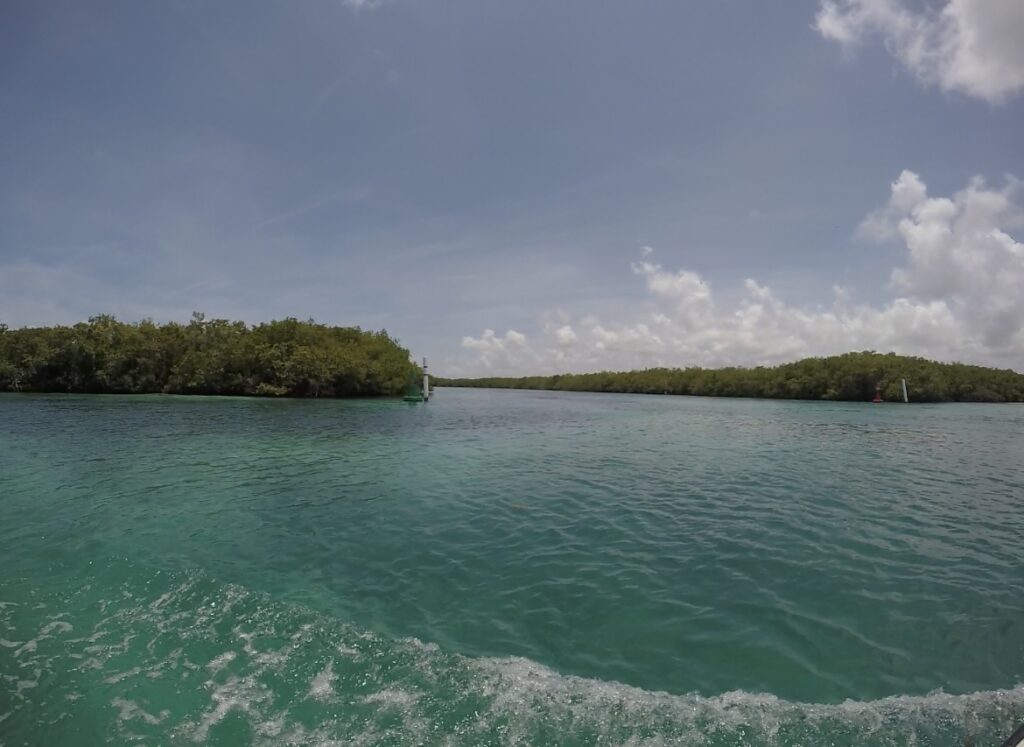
(216, 356)
(853, 376)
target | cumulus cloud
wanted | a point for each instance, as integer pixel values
(362, 4)
(960, 255)
(565, 336)
(959, 295)
(495, 352)
(968, 46)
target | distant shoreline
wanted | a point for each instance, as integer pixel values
(200, 395)
(724, 396)
(282, 358)
(852, 377)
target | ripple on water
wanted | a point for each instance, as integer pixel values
(575, 559)
(214, 663)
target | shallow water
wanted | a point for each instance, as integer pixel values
(502, 567)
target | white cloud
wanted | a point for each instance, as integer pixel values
(565, 336)
(960, 254)
(969, 46)
(362, 4)
(959, 296)
(495, 352)
(907, 191)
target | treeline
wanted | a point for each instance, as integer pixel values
(205, 356)
(851, 377)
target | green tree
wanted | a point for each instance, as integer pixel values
(205, 356)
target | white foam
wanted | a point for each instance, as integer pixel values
(391, 698)
(119, 676)
(246, 639)
(56, 625)
(161, 600)
(364, 688)
(171, 661)
(519, 689)
(21, 685)
(322, 686)
(272, 727)
(219, 662)
(243, 694)
(45, 632)
(520, 701)
(344, 650)
(130, 710)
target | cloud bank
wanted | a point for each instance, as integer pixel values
(969, 46)
(959, 296)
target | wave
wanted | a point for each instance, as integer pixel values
(179, 659)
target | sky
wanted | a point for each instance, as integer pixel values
(526, 187)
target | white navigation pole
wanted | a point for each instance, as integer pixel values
(426, 380)
(905, 398)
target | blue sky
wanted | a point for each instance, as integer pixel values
(521, 187)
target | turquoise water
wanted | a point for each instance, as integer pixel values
(501, 567)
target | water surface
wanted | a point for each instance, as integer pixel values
(501, 567)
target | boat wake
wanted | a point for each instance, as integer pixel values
(178, 658)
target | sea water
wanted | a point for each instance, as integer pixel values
(501, 567)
